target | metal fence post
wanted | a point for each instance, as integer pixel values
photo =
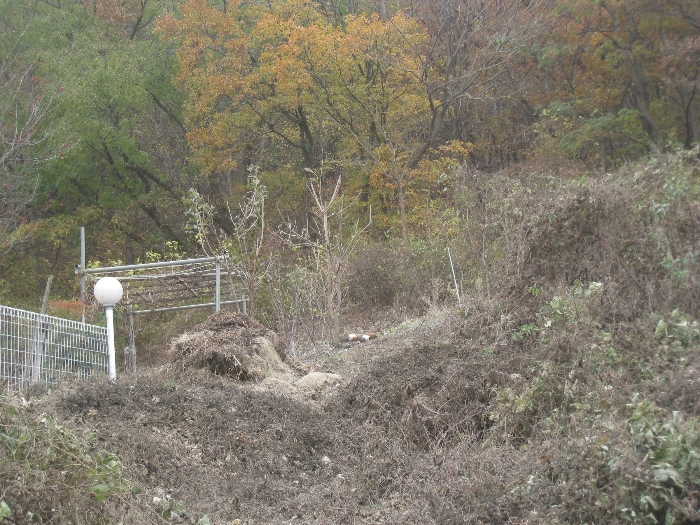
(39, 339)
(454, 277)
(83, 280)
(218, 286)
(132, 338)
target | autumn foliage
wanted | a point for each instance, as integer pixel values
(143, 100)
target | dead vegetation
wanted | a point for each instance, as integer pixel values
(230, 344)
(564, 391)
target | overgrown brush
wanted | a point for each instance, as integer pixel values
(405, 276)
(619, 455)
(48, 474)
(568, 391)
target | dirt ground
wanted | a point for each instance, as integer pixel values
(395, 430)
(288, 447)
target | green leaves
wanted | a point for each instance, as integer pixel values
(668, 475)
(38, 456)
(114, 119)
(678, 330)
(5, 511)
(100, 490)
(671, 452)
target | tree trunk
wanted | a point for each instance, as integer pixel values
(691, 123)
(383, 12)
(334, 338)
(641, 97)
(250, 301)
(402, 209)
(332, 313)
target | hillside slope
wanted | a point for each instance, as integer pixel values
(570, 395)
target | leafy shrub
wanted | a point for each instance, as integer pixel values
(678, 330)
(50, 474)
(643, 470)
(670, 452)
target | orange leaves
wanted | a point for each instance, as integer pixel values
(217, 69)
(211, 41)
(114, 12)
(309, 89)
(254, 71)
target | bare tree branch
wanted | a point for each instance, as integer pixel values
(23, 112)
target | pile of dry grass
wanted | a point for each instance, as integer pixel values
(230, 344)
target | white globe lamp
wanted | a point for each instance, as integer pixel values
(108, 292)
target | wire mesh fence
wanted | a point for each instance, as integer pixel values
(36, 348)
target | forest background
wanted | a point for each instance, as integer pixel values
(333, 148)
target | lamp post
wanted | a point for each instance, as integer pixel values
(108, 292)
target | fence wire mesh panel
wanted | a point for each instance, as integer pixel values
(36, 348)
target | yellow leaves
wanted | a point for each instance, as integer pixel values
(309, 89)
(457, 148)
(390, 41)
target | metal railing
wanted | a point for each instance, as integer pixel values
(36, 348)
(175, 289)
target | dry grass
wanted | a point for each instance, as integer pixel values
(564, 391)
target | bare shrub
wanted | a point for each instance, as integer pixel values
(293, 302)
(408, 277)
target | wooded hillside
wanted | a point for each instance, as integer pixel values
(335, 150)
(317, 141)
